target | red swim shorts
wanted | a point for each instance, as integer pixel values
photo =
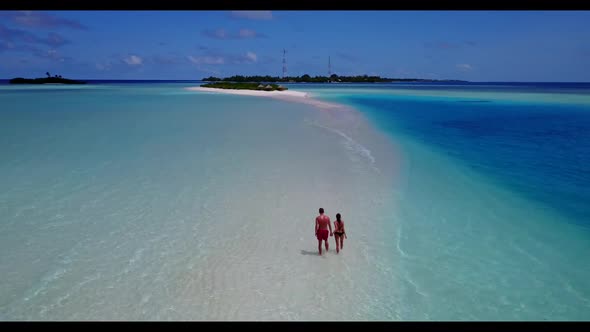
(323, 234)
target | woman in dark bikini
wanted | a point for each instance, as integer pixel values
(339, 233)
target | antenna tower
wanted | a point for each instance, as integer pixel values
(284, 63)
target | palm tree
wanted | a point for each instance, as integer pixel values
(47, 73)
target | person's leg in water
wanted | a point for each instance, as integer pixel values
(341, 241)
(320, 246)
(337, 237)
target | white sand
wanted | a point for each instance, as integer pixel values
(253, 92)
(288, 95)
(280, 164)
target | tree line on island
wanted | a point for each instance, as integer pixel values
(244, 86)
(318, 79)
(56, 79)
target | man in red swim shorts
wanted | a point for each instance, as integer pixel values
(322, 223)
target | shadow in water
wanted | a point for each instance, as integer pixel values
(313, 253)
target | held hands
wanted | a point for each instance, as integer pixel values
(331, 234)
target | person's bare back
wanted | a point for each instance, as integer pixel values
(323, 221)
(322, 224)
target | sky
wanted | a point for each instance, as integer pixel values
(480, 46)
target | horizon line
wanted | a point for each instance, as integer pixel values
(201, 80)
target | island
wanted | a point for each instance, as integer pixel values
(56, 79)
(323, 79)
(244, 86)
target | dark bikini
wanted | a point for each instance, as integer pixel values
(341, 232)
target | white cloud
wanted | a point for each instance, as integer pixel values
(247, 33)
(51, 54)
(220, 33)
(168, 59)
(207, 60)
(208, 70)
(8, 44)
(224, 34)
(220, 59)
(465, 66)
(133, 60)
(40, 19)
(104, 66)
(251, 56)
(252, 14)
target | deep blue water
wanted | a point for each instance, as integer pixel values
(541, 150)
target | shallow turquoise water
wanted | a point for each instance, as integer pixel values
(150, 202)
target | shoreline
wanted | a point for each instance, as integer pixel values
(346, 120)
(289, 95)
(262, 93)
(314, 152)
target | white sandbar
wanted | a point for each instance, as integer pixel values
(288, 95)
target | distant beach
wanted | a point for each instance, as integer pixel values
(288, 95)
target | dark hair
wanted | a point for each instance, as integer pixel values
(338, 216)
(321, 210)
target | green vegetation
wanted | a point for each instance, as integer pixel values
(318, 79)
(57, 79)
(244, 86)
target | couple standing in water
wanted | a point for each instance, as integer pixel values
(322, 224)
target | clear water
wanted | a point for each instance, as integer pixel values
(149, 202)
(538, 150)
(536, 144)
(493, 219)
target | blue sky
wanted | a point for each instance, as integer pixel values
(467, 45)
